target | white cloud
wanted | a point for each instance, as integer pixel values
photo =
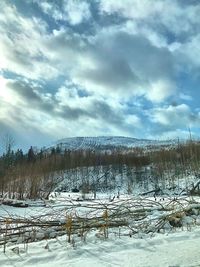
(179, 116)
(77, 11)
(174, 15)
(132, 8)
(60, 115)
(160, 90)
(68, 95)
(134, 121)
(7, 96)
(126, 65)
(21, 45)
(51, 9)
(189, 52)
(72, 11)
(111, 62)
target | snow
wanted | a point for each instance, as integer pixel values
(75, 143)
(174, 249)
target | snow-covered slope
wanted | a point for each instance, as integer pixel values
(109, 142)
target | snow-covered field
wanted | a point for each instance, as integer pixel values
(172, 249)
(171, 246)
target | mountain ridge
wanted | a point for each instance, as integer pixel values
(109, 142)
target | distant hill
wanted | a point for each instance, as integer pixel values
(109, 142)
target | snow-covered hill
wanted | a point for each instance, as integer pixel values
(109, 142)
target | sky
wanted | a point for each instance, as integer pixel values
(100, 67)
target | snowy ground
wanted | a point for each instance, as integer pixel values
(174, 247)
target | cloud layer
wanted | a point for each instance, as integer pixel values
(73, 68)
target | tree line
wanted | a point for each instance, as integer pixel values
(37, 173)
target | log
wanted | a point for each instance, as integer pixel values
(155, 191)
(14, 204)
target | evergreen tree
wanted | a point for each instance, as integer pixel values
(31, 155)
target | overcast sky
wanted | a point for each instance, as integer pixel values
(100, 67)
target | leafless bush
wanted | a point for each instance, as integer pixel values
(135, 215)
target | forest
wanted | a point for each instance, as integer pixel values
(37, 173)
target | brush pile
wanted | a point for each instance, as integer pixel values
(132, 216)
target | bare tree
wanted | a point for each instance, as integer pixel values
(8, 142)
